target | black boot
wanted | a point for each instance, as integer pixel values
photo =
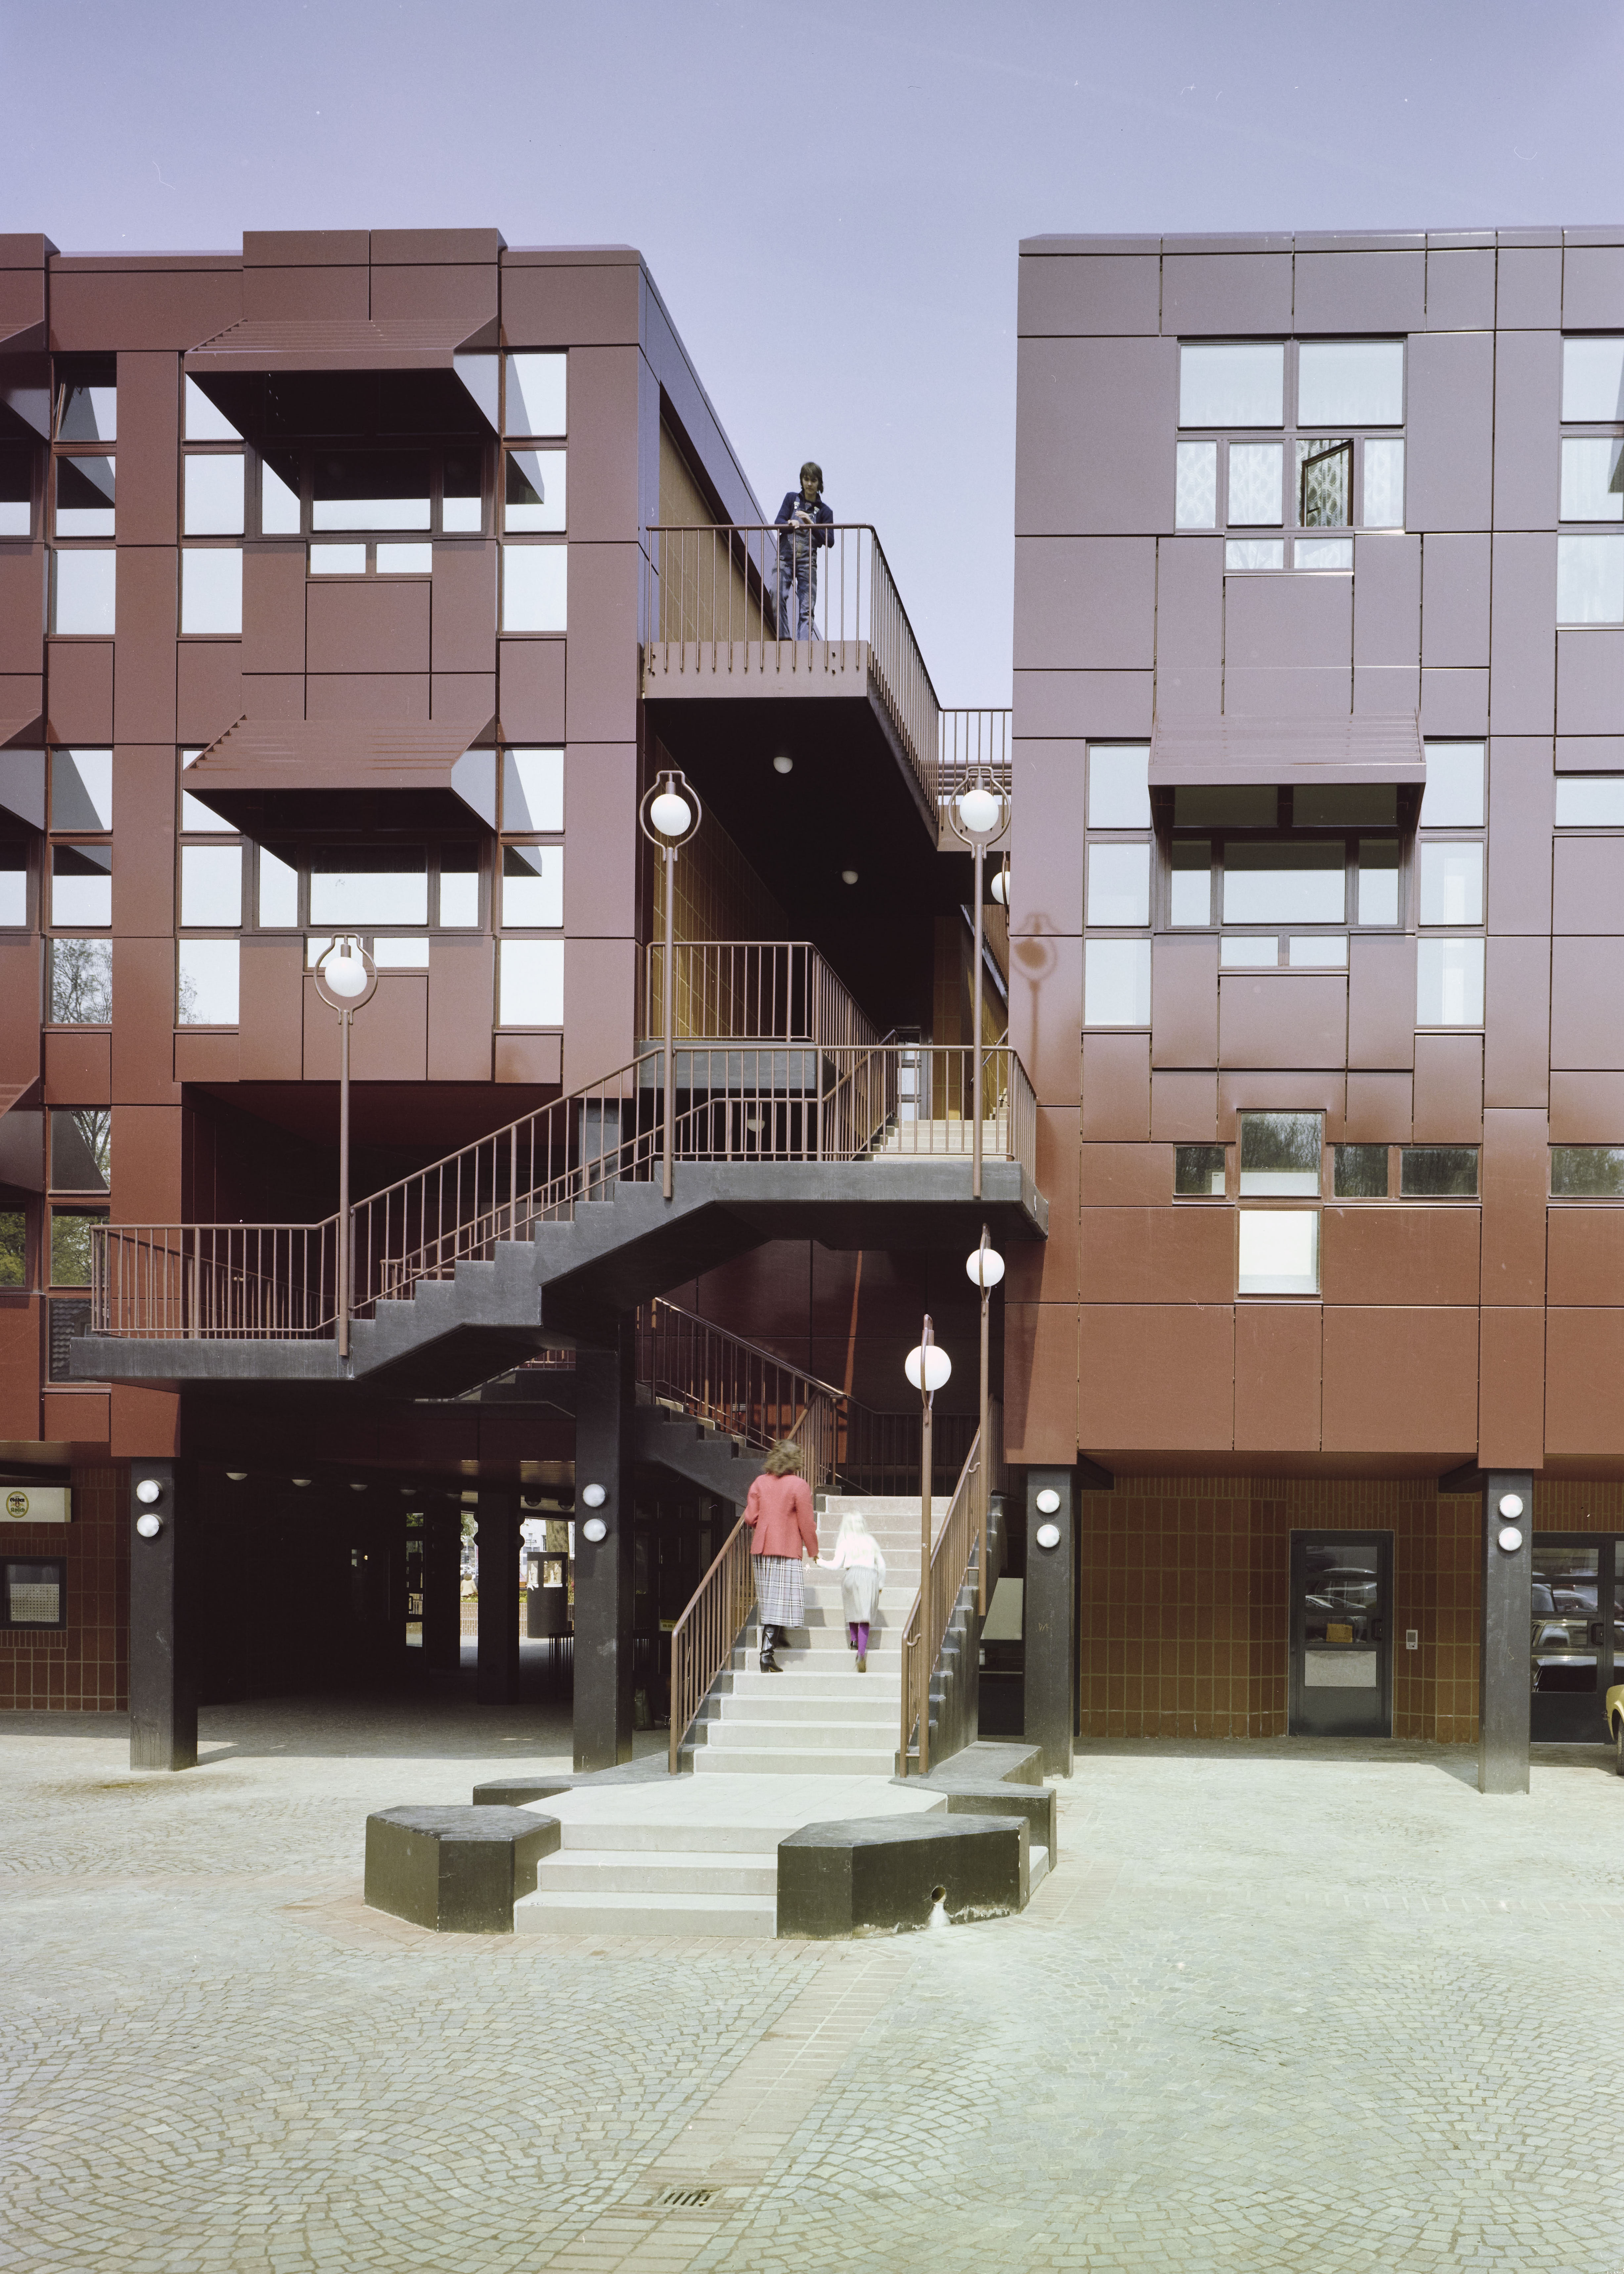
(769, 1664)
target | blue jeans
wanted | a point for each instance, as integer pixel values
(797, 572)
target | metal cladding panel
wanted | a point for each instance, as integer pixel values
(1460, 288)
(1587, 1006)
(1279, 623)
(1157, 1375)
(1378, 1109)
(1448, 1089)
(1189, 602)
(1400, 1381)
(1046, 841)
(274, 598)
(144, 842)
(1586, 1256)
(1589, 682)
(1585, 1359)
(260, 763)
(1157, 1254)
(1184, 1109)
(531, 689)
(1449, 460)
(1284, 1020)
(1226, 294)
(1183, 1002)
(1387, 605)
(1288, 750)
(1088, 296)
(1517, 1037)
(1454, 600)
(1528, 403)
(1127, 1176)
(1522, 670)
(80, 690)
(1588, 879)
(147, 613)
(1521, 795)
(373, 625)
(1586, 1108)
(1277, 1365)
(209, 689)
(1529, 295)
(1455, 702)
(148, 446)
(1593, 288)
(420, 342)
(1403, 1254)
(22, 608)
(1511, 1361)
(1516, 1164)
(1351, 291)
(1093, 421)
(1116, 1087)
(329, 294)
(1086, 603)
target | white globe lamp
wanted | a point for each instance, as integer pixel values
(979, 810)
(931, 1360)
(984, 1267)
(670, 814)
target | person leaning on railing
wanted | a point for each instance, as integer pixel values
(780, 1515)
(804, 519)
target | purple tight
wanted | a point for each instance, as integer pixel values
(858, 1632)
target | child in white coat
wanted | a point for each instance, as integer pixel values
(862, 1567)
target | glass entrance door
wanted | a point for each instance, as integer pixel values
(1574, 1633)
(1341, 1635)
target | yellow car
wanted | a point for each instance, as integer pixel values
(1612, 1706)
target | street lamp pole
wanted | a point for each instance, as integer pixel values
(985, 1267)
(346, 978)
(669, 815)
(977, 818)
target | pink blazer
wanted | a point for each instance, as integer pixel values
(780, 1513)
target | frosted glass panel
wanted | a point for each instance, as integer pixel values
(1254, 553)
(1197, 486)
(1589, 580)
(1450, 982)
(1255, 483)
(1591, 489)
(1590, 800)
(1116, 983)
(1451, 884)
(1283, 884)
(1454, 794)
(1119, 883)
(1384, 485)
(1593, 380)
(1351, 383)
(1232, 386)
(1279, 1252)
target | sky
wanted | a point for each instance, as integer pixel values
(830, 197)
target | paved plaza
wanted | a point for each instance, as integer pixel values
(1282, 2007)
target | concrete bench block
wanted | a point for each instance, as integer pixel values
(1040, 1804)
(457, 1870)
(516, 1792)
(988, 1761)
(878, 1875)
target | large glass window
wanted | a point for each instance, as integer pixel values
(1589, 580)
(1453, 798)
(1379, 880)
(81, 885)
(1587, 1172)
(280, 512)
(533, 491)
(1593, 380)
(206, 992)
(1116, 983)
(81, 1149)
(1451, 884)
(211, 591)
(81, 789)
(1324, 482)
(1590, 800)
(459, 887)
(531, 982)
(534, 588)
(83, 589)
(87, 404)
(537, 397)
(81, 982)
(17, 491)
(360, 885)
(533, 790)
(1118, 885)
(1232, 386)
(70, 1245)
(1450, 982)
(204, 421)
(85, 497)
(1592, 478)
(279, 892)
(211, 885)
(370, 489)
(13, 886)
(1350, 382)
(1279, 1252)
(1274, 884)
(533, 886)
(1190, 882)
(214, 493)
(1281, 1153)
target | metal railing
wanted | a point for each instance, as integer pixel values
(703, 1641)
(751, 989)
(738, 1387)
(726, 599)
(975, 747)
(736, 1101)
(925, 1626)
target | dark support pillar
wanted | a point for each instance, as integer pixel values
(163, 1681)
(1051, 1587)
(1502, 1649)
(604, 1403)
(442, 1586)
(498, 1680)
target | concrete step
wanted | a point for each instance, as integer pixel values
(856, 1761)
(857, 1704)
(802, 1736)
(753, 1915)
(809, 1684)
(658, 1872)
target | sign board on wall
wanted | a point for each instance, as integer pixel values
(36, 1504)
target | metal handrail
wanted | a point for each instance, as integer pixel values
(975, 747)
(925, 1628)
(704, 1637)
(746, 1103)
(723, 598)
(751, 990)
(738, 1387)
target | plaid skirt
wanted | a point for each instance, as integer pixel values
(778, 1600)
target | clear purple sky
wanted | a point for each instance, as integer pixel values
(830, 196)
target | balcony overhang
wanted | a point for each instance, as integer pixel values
(24, 384)
(22, 770)
(274, 777)
(279, 378)
(1373, 755)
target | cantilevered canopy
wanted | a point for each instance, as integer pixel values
(271, 778)
(1220, 752)
(278, 378)
(22, 770)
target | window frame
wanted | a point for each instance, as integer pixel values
(8, 1624)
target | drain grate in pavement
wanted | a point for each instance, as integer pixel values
(685, 2198)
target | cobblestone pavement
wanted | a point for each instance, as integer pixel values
(1282, 2008)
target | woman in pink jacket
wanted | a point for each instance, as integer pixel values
(779, 1512)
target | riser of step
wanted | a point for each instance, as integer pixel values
(753, 1915)
(751, 1838)
(657, 1872)
(724, 1760)
(806, 1732)
(755, 1710)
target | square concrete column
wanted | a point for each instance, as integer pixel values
(163, 1675)
(1051, 1619)
(604, 1396)
(496, 1682)
(442, 1586)
(1503, 1677)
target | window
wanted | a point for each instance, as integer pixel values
(87, 400)
(1251, 952)
(1196, 503)
(1324, 482)
(1280, 857)
(13, 1248)
(532, 886)
(1384, 483)
(35, 1592)
(17, 492)
(534, 588)
(211, 885)
(461, 510)
(279, 892)
(1592, 487)
(531, 982)
(1451, 884)
(1279, 1252)
(533, 790)
(1116, 983)
(1280, 1153)
(1438, 1171)
(13, 886)
(70, 1245)
(206, 988)
(81, 885)
(1587, 1172)
(370, 489)
(371, 494)
(1350, 382)
(533, 491)
(1360, 1173)
(1318, 951)
(81, 1148)
(1590, 800)
(1379, 880)
(1118, 885)
(536, 395)
(211, 591)
(338, 559)
(394, 954)
(205, 422)
(195, 817)
(1453, 798)
(1323, 552)
(85, 506)
(83, 585)
(1284, 884)
(1450, 982)
(1199, 1170)
(81, 982)
(81, 787)
(1593, 380)
(361, 885)
(1254, 553)
(213, 495)
(1255, 483)
(1589, 580)
(280, 514)
(1239, 385)
(1190, 882)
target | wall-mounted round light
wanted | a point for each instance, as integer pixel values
(148, 1491)
(1511, 1504)
(1001, 887)
(149, 1526)
(1048, 1501)
(1049, 1535)
(978, 809)
(593, 1496)
(1510, 1538)
(594, 1529)
(670, 814)
(984, 1267)
(937, 1366)
(848, 875)
(300, 1481)
(783, 763)
(237, 1476)
(355, 1485)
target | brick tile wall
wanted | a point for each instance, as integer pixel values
(84, 1669)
